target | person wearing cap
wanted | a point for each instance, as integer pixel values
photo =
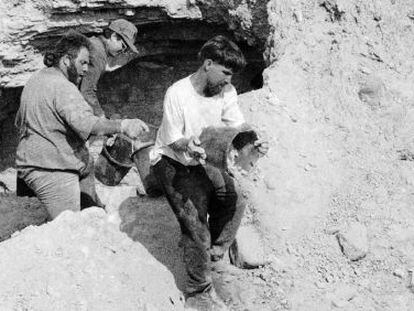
(107, 53)
(54, 123)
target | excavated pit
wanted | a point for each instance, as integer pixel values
(169, 53)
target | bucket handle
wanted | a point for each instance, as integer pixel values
(135, 147)
(111, 159)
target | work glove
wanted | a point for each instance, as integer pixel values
(195, 151)
(133, 127)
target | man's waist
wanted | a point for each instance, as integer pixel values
(181, 157)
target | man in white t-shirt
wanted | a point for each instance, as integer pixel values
(203, 198)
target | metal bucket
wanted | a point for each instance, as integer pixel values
(114, 161)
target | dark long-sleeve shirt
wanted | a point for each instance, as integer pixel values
(98, 61)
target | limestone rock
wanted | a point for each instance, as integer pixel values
(8, 179)
(248, 249)
(354, 241)
(80, 261)
(371, 92)
(342, 295)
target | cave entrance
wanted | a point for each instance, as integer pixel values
(137, 89)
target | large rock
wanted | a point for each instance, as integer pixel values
(80, 261)
(354, 241)
(248, 249)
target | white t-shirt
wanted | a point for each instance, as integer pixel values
(187, 113)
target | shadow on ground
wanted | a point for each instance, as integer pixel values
(152, 223)
(16, 213)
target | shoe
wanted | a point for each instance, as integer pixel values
(205, 301)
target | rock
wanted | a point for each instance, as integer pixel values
(399, 273)
(343, 295)
(248, 249)
(270, 182)
(81, 258)
(354, 241)
(8, 180)
(371, 91)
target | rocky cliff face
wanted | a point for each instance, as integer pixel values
(28, 26)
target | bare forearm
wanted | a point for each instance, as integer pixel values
(106, 127)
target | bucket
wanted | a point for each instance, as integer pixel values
(114, 161)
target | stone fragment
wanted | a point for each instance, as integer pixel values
(371, 91)
(353, 241)
(270, 182)
(399, 273)
(248, 249)
(343, 295)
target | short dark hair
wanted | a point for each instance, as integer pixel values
(107, 32)
(223, 51)
(69, 44)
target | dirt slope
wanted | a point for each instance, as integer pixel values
(82, 262)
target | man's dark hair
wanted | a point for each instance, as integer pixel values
(223, 51)
(244, 138)
(70, 44)
(107, 33)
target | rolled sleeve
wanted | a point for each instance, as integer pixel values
(231, 114)
(75, 111)
(172, 125)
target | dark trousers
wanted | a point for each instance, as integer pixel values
(205, 202)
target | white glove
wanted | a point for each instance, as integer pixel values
(133, 127)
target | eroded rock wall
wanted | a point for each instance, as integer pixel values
(26, 24)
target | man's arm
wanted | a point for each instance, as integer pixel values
(130, 127)
(89, 85)
(73, 109)
(119, 61)
(190, 145)
(231, 114)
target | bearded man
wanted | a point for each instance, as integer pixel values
(54, 123)
(204, 199)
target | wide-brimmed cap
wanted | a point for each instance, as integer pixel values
(126, 30)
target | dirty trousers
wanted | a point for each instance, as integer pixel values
(62, 190)
(205, 202)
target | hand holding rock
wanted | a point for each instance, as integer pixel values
(195, 151)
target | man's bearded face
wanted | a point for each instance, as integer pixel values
(73, 75)
(212, 89)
